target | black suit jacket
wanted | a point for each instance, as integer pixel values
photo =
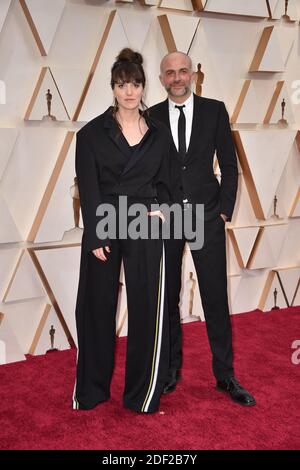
(194, 177)
(105, 167)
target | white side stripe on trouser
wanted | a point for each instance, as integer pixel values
(158, 333)
(74, 399)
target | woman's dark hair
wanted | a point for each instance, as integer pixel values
(128, 67)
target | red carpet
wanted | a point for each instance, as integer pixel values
(36, 395)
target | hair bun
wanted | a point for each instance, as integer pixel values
(128, 55)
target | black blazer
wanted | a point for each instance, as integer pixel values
(105, 166)
(194, 177)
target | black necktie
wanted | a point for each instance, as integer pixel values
(181, 131)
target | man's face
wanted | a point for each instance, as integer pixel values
(176, 75)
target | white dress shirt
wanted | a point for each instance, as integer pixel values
(174, 116)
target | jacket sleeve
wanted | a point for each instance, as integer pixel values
(89, 193)
(228, 163)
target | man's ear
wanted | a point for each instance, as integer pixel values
(161, 80)
(194, 77)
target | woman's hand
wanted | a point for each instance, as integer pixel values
(159, 213)
(224, 217)
(100, 253)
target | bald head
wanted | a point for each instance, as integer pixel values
(176, 75)
(175, 57)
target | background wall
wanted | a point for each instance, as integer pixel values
(250, 59)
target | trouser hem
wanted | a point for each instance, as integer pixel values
(138, 408)
(76, 405)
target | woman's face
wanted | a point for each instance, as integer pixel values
(128, 94)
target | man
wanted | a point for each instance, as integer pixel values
(200, 126)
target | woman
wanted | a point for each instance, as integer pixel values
(122, 152)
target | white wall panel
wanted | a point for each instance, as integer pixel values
(37, 163)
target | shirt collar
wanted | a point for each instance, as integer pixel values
(187, 102)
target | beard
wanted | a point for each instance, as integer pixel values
(182, 92)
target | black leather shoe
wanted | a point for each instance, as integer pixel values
(174, 377)
(236, 392)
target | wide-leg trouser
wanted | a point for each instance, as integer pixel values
(147, 355)
(210, 266)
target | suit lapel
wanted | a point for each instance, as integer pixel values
(139, 151)
(115, 134)
(197, 126)
(119, 140)
(164, 113)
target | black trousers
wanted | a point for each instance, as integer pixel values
(210, 266)
(147, 357)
